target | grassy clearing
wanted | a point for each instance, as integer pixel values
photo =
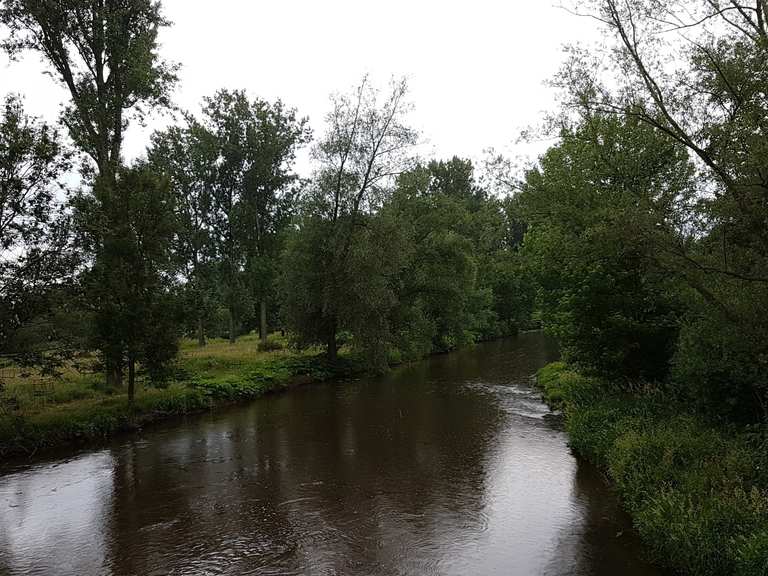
(698, 493)
(40, 412)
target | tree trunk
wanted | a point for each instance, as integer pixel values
(200, 332)
(332, 346)
(263, 322)
(131, 379)
(232, 334)
(114, 369)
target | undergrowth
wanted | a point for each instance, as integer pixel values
(698, 492)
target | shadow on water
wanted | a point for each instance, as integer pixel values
(450, 466)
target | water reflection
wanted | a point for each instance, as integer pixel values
(53, 517)
(449, 467)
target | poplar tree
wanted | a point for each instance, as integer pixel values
(105, 53)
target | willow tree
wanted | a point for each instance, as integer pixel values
(105, 53)
(696, 72)
(335, 260)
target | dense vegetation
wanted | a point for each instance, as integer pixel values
(696, 489)
(213, 233)
(647, 228)
(647, 222)
(640, 240)
(109, 266)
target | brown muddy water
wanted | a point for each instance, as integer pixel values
(452, 466)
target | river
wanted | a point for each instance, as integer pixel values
(451, 466)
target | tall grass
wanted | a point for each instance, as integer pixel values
(78, 406)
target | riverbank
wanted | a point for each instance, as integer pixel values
(697, 492)
(447, 464)
(76, 409)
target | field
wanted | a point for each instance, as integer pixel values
(39, 412)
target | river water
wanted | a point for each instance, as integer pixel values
(452, 466)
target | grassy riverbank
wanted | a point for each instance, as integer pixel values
(75, 408)
(698, 492)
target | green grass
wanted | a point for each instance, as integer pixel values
(698, 493)
(41, 412)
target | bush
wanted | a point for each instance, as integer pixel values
(549, 380)
(752, 554)
(722, 367)
(698, 493)
(274, 343)
(712, 534)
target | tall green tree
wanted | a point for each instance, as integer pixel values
(368, 143)
(440, 305)
(601, 207)
(34, 240)
(254, 147)
(187, 156)
(105, 53)
(695, 70)
(269, 198)
(130, 289)
(462, 280)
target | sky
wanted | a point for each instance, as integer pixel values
(476, 70)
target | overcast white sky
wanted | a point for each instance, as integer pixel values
(476, 69)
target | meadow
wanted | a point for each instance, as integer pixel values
(76, 406)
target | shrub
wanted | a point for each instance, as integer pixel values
(722, 367)
(752, 554)
(698, 493)
(274, 343)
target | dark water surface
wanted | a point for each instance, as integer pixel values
(452, 466)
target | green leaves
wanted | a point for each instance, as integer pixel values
(598, 217)
(692, 74)
(129, 289)
(340, 255)
(34, 240)
(105, 55)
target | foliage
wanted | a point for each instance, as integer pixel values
(598, 208)
(695, 71)
(430, 270)
(34, 247)
(105, 54)
(186, 156)
(723, 365)
(359, 294)
(130, 287)
(272, 343)
(337, 262)
(233, 174)
(643, 239)
(453, 256)
(698, 493)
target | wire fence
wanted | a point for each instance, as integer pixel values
(23, 388)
